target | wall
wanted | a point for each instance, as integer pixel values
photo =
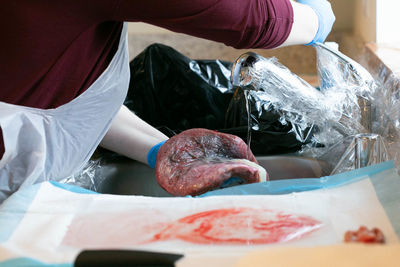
(365, 19)
(344, 11)
(143, 28)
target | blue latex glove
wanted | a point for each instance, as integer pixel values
(232, 182)
(152, 155)
(326, 18)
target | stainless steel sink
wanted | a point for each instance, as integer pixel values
(124, 176)
(290, 167)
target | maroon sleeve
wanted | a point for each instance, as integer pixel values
(237, 23)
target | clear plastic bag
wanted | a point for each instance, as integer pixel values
(376, 109)
(349, 102)
(89, 177)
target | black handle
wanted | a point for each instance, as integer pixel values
(100, 258)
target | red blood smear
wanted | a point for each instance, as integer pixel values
(238, 226)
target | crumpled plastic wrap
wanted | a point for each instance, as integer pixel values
(348, 103)
(354, 152)
(334, 109)
(89, 177)
(377, 109)
(386, 113)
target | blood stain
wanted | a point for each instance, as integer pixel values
(238, 226)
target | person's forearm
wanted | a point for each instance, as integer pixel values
(312, 22)
(131, 136)
(237, 23)
(305, 25)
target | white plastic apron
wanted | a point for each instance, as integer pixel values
(52, 144)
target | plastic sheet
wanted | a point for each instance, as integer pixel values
(334, 109)
(364, 150)
(376, 109)
(167, 89)
(326, 120)
(386, 112)
(269, 134)
(89, 177)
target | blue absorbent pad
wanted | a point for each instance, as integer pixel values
(29, 262)
(382, 181)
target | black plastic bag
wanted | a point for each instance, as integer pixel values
(268, 135)
(169, 89)
(174, 93)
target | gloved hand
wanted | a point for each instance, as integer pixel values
(152, 155)
(326, 18)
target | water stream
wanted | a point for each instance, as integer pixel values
(248, 110)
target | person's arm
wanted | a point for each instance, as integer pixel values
(305, 25)
(237, 23)
(131, 136)
(312, 22)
